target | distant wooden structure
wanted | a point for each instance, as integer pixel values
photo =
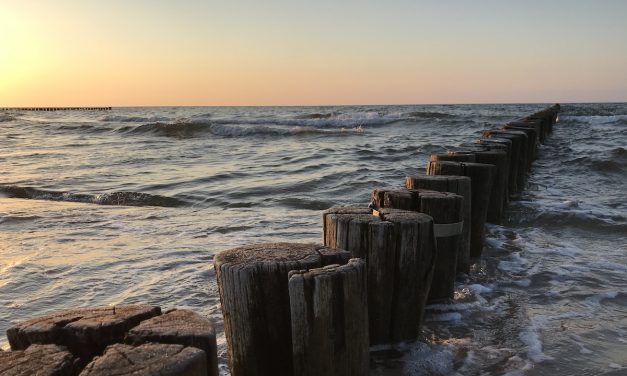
(56, 108)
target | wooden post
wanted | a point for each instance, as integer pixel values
(454, 157)
(519, 142)
(179, 327)
(84, 331)
(532, 138)
(446, 210)
(481, 181)
(460, 185)
(329, 311)
(253, 286)
(499, 194)
(148, 359)
(512, 186)
(50, 360)
(399, 250)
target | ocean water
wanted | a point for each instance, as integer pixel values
(131, 205)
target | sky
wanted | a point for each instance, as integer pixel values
(216, 53)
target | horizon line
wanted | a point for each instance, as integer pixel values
(318, 105)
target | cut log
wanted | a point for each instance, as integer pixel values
(49, 360)
(329, 310)
(148, 359)
(481, 181)
(84, 331)
(498, 197)
(460, 185)
(179, 327)
(400, 253)
(253, 286)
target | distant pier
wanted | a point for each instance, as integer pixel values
(55, 108)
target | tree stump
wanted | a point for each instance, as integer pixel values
(400, 255)
(253, 286)
(329, 308)
(148, 359)
(519, 142)
(499, 194)
(446, 210)
(49, 360)
(84, 331)
(460, 185)
(481, 181)
(179, 327)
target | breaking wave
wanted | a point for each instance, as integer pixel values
(132, 119)
(188, 129)
(112, 198)
(6, 117)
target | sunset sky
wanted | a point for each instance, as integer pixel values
(193, 52)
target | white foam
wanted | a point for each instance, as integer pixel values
(515, 264)
(132, 119)
(526, 282)
(425, 359)
(479, 289)
(596, 119)
(449, 316)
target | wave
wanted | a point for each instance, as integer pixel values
(427, 115)
(596, 119)
(6, 117)
(112, 198)
(188, 129)
(315, 116)
(132, 119)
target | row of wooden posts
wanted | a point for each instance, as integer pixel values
(306, 309)
(55, 108)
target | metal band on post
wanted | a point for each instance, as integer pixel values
(443, 230)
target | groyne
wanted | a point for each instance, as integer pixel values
(52, 109)
(311, 309)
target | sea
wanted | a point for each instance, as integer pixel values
(131, 205)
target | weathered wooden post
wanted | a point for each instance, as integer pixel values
(512, 183)
(499, 194)
(253, 286)
(84, 331)
(481, 176)
(173, 360)
(329, 310)
(446, 210)
(532, 138)
(519, 142)
(460, 185)
(38, 360)
(400, 252)
(179, 327)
